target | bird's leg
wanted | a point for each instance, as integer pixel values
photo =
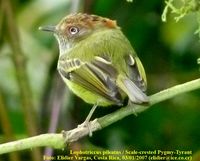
(131, 104)
(91, 113)
(87, 120)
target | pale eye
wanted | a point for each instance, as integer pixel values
(73, 30)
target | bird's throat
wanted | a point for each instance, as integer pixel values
(64, 45)
(64, 48)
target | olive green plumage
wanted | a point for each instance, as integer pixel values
(97, 62)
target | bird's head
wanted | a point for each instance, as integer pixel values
(76, 27)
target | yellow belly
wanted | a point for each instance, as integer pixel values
(86, 95)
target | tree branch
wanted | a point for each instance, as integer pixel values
(59, 140)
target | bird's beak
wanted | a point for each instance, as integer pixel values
(48, 28)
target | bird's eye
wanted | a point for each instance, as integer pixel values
(73, 30)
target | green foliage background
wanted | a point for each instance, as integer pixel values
(169, 53)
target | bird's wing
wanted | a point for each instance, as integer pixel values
(134, 82)
(97, 76)
(136, 72)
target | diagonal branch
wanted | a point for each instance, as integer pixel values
(59, 140)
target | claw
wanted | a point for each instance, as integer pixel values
(86, 123)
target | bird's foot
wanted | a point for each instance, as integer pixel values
(86, 124)
(134, 112)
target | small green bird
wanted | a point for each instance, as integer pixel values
(97, 62)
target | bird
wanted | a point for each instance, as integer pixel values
(97, 62)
